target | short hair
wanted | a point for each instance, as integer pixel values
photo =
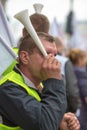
(28, 44)
(75, 54)
(40, 23)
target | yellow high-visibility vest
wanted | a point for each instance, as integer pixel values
(17, 78)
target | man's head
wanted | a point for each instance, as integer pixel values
(78, 57)
(30, 57)
(40, 23)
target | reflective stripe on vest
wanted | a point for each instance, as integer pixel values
(17, 78)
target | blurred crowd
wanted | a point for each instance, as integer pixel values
(74, 70)
(78, 58)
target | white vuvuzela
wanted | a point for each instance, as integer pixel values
(23, 17)
(38, 8)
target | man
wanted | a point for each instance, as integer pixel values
(22, 107)
(41, 24)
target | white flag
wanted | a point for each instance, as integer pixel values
(7, 55)
(55, 29)
(5, 29)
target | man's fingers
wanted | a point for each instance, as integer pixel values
(74, 124)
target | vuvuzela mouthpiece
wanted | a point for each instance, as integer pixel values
(38, 8)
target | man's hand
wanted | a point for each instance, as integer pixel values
(51, 68)
(69, 122)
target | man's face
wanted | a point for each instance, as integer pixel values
(36, 58)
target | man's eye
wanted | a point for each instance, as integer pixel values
(55, 54)
(48, 52)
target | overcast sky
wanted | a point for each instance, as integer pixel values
(52, 8)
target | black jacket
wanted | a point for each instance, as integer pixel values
(20, 109)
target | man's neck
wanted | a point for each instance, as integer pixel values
(28, 75)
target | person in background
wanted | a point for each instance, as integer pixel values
(79, 60)
(19, 92)
(41, 23)
(59, 45)
(70, 80)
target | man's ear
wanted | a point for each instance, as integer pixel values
(24, 57)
